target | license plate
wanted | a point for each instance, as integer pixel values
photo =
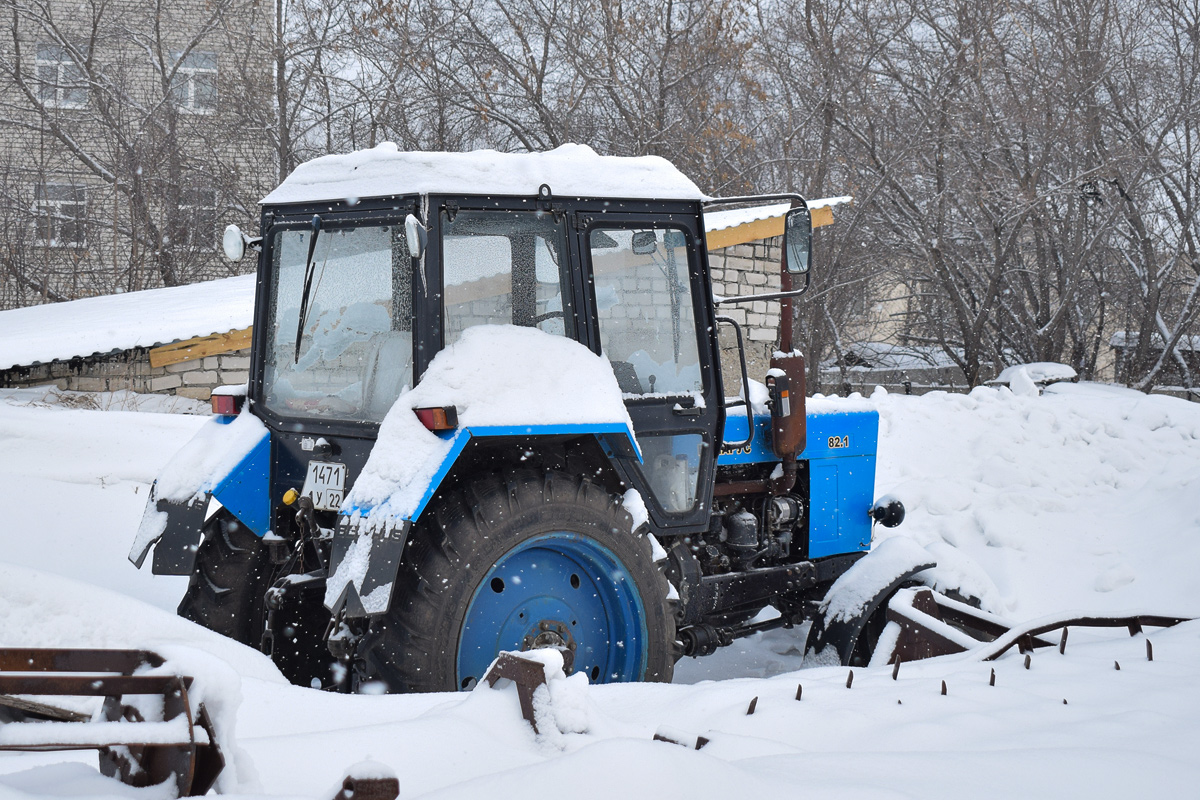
(325, 483)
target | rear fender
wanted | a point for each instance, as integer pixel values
(369, 540)
(173, 525)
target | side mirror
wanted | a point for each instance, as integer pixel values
(644, 242)
(234, 243)
(416, 236)
(797, 242)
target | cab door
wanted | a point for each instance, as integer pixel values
(650, 306)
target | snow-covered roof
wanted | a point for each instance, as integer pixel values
(1042, 372)
(79, 328)
(885, 355)
(1123, 339)
(721, 220)
(572, 170)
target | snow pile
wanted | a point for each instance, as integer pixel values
(495, 375)
(1081, 499)
(59, 331)
(74, 483)
(571, 170)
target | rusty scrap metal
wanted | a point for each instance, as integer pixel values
(923, 617)
(355, 788)
(527, 674)
(138, 754)
(672, 736)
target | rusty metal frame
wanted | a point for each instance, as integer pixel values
(926, 610)
(193, 761)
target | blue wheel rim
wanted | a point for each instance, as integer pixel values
(560, 581)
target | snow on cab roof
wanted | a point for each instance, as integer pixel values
(572, 170)
(98, 325)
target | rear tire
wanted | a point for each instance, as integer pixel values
(229, 580)
(509, 560)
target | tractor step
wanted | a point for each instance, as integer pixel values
(931, 624)
(137, 751)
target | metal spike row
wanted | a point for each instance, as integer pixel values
(753, 705)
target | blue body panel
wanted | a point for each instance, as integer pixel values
(841, 471)
(245, 491)
(758, 451)
(840, 451)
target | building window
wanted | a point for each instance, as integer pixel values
(61, 82)
(194, 88)
(197, 219)
(60, 212)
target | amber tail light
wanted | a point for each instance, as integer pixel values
(438, 419)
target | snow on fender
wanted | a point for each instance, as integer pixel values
(858, 593)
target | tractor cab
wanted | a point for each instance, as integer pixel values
(360, 294)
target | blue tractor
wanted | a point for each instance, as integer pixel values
(626, 542)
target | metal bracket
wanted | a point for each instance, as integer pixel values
(528, 675)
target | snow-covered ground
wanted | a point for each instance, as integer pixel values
(1083, 499)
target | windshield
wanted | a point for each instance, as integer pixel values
(355, 346)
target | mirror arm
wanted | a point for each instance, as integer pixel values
(746, 298)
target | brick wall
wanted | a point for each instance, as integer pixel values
(746, 269)
(130, 369)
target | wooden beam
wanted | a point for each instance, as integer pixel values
(201, 346)
(747, 232)
(822, 216)
(762, 229)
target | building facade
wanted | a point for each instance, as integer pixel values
(131, 133)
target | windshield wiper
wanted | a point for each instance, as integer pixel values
(309, 269)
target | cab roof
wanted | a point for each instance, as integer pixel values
(572, 170)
